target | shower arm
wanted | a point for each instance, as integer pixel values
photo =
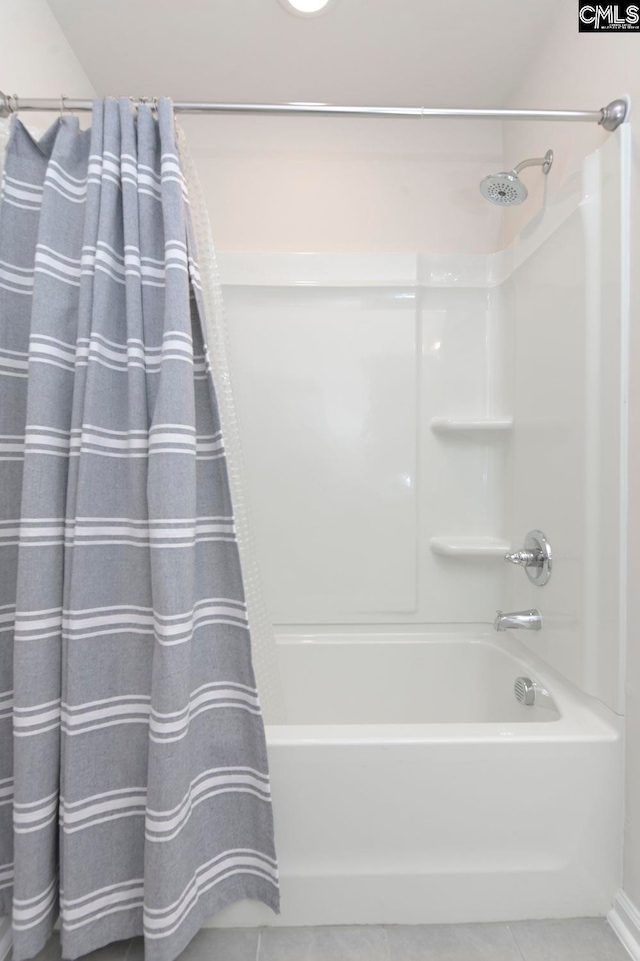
(609, 117)
(544, 162)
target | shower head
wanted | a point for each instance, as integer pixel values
(506, 189)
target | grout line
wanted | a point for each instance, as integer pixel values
(258, 944)
(516, 942)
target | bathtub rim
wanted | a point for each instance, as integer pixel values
(581, 716)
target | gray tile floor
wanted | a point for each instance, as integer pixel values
(585, 939)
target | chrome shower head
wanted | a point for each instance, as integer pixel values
(506, 189)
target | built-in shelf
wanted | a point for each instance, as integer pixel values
(469, 546)
(450, 425)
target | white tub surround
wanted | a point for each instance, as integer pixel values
(410, 787)
(353, 485)
(569, 456)
(432, 409)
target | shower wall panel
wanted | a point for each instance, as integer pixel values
(352, 484)
(327, 381)
(570, 409)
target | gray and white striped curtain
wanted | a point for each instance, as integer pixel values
(134, 791)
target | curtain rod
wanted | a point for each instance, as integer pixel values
(610, 117)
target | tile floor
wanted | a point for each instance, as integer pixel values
(585, 939)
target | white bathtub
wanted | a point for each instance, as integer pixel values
(411, 787)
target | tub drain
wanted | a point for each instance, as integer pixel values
(525, 691)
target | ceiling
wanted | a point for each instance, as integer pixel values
(403, 52)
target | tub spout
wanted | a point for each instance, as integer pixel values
(525, 620)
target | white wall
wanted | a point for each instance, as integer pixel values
(586, 71)
(343, 184)
(292, 184)
(35, 57)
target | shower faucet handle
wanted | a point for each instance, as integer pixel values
(535, 557)
(525, 558)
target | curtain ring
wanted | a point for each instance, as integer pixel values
(62, 100)
(14, 104)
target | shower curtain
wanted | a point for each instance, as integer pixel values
(134, 790)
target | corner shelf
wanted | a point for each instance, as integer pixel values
(469, 546)
(451, 425)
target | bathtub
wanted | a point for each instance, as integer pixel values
(410, 786)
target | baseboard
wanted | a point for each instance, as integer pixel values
(624, 918)
(6, 939)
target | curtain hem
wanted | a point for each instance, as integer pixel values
(108, 930)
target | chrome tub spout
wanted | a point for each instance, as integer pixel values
(525, 620)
